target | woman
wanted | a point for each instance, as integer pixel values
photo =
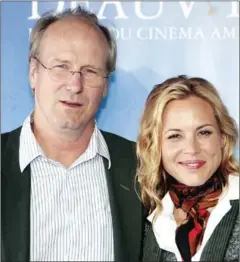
(188, 174)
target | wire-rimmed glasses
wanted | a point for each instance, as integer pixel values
(90, 77)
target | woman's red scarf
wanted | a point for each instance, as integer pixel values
(194, 201)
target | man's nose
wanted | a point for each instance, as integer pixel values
(75, 82)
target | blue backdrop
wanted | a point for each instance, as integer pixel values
(156, 40)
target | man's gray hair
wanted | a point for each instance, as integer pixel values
(49, 18)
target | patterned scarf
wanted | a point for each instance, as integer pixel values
(194, 202)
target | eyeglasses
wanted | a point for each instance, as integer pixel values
(90, 77)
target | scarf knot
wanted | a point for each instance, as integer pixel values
(194, 201)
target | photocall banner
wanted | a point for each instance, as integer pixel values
(156, 40)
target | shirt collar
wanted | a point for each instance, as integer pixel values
(29, 149)
(231, 192)
(102, 148)
(167, 208)
(97, 145)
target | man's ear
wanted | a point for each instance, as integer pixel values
(33, 71)
(105, 88)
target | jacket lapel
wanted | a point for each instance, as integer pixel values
(15, 204)
(126, 208)
(151, 251)
(119, 251)
(215, 249)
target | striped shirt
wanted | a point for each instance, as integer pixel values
(70, 209)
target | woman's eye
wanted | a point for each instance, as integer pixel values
(175, 136)
(205, 132)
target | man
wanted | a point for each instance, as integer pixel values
(67, 187)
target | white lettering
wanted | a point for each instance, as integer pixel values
(199, 34)
(123, 33)
(215, 34)
(140, 14)
(170, 33)
(60, 7)
(159, 34)
(173, 33)
(74, 4)
(186, 8)
(235, 10)
(227, 33)
(183, 34)
(119, 9)
(143, 36)
(115, 32)
(35, 14)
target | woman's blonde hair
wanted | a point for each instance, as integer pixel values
(150, 173)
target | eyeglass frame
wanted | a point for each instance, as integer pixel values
(70, 71)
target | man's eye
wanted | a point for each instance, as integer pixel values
(62, 66)
(90, 71)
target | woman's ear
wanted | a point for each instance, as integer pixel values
(223, 140)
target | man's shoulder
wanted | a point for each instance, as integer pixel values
(117, 140)
(119, 146)
(11, 135)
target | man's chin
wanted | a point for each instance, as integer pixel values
(70, 126)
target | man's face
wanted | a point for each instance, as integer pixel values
(71, 43)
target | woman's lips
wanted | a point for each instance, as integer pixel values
(192, 164)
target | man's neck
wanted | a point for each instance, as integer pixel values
(63, 147)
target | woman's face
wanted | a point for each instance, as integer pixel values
(191, 141)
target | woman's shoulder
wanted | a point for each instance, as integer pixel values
(150, 245)
(234, 175)
(232, 251)
(231, 191)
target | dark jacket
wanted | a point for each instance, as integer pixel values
(126, 208)
(223, 245)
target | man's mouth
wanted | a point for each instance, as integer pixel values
(71, 104)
